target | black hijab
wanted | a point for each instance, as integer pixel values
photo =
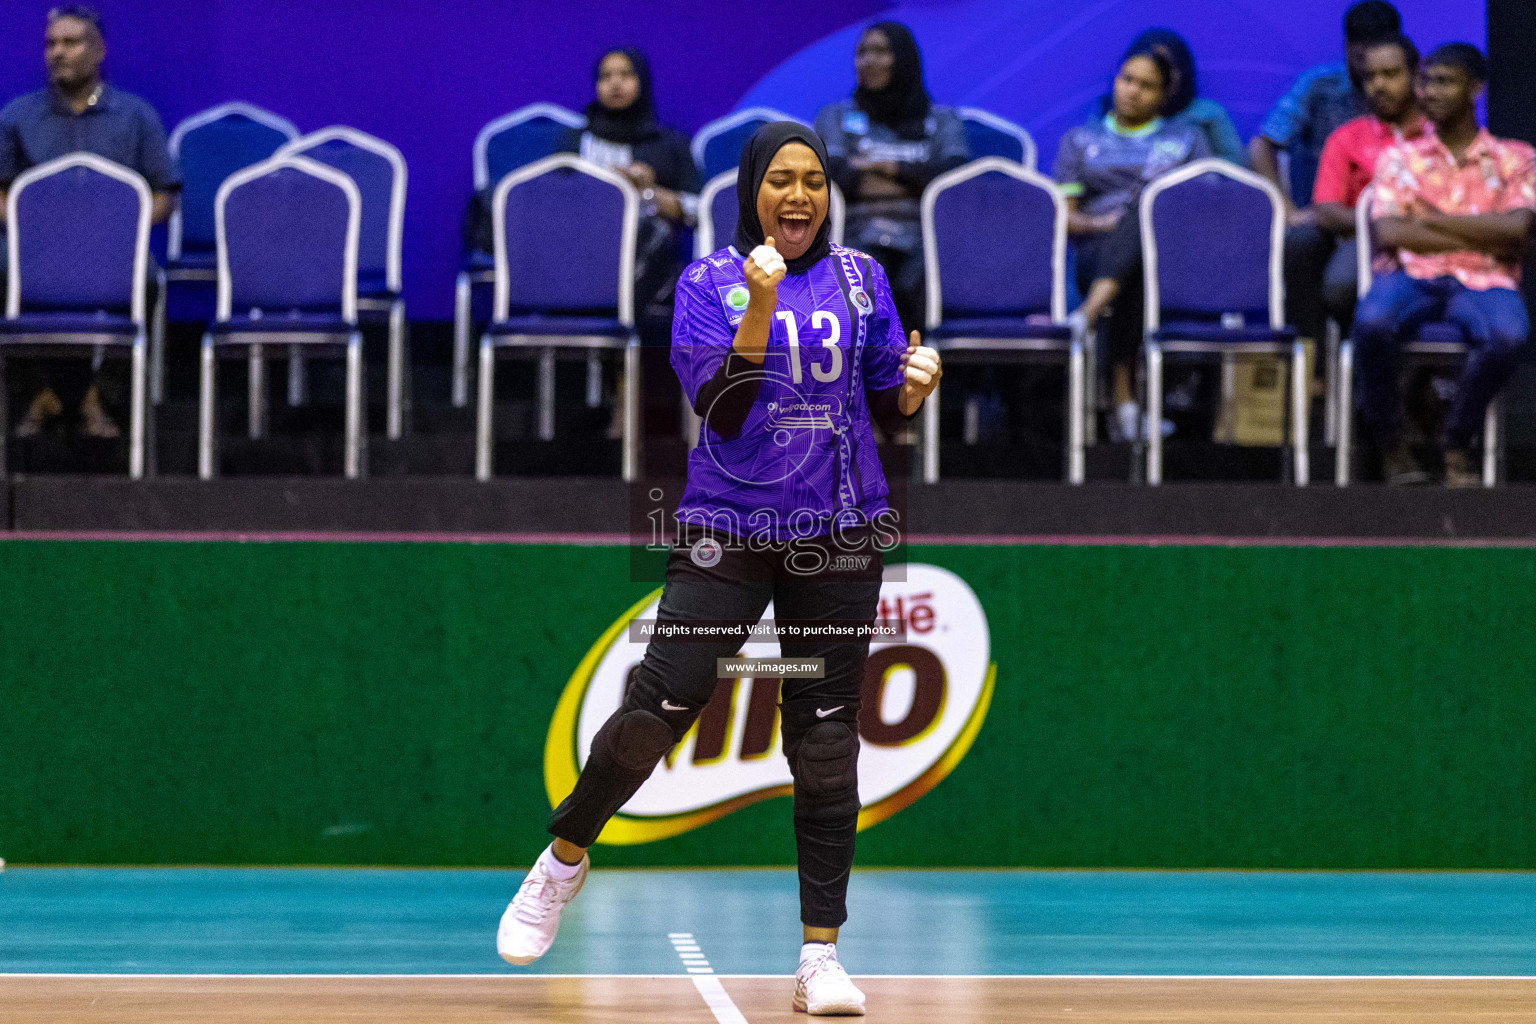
(635, 122)
(755, 158)
(903, 104)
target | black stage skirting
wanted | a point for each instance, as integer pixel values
(600, 508)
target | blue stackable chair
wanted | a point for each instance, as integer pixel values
(995, 247)
(511, 141)
(79, 258)
(378, 170)
(1212, 237)
(287, 231)
(990, 135)
(1438, 341)
(717, 146)
(208, 147)
(565, 233)
(718, 213)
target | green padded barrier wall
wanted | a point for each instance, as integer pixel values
(388, 704)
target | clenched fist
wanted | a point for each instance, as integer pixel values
(764, 269)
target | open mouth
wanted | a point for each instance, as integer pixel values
(794, 227)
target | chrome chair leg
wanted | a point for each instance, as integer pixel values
(256, 414)
(483, 439)
(207, 391)
(631, 461)
(594, 379)
(353, 456)
(1346, 404)
(931, 437)
(1299, 407)
(298, 377)
(1075, 413)
(138, 393)
(1153, 426)
(1491, 445)
(157, 345)
(1330, 385)
(395, 401)
(547, 393)
(462, 292)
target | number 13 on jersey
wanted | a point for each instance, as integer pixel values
(820, 320)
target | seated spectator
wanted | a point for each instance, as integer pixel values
(1102, 168)
(622, 133)
(1349, 163)
(79, 111)
(886, 143)
(1183, 103)
(1317, 105)
(1458, 205)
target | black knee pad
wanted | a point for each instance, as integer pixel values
(827, 763)
(635, 739)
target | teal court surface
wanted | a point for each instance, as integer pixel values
(130, 944)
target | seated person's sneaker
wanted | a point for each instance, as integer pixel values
(1399, 467)
(531, 920)
(823, 987)
(1459, 471)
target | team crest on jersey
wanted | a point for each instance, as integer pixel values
(735, 298)
(862, 300)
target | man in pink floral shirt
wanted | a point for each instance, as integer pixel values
(1457, 205)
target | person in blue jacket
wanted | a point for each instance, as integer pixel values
(789, 348)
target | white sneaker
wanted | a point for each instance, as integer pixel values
(1126, 422)
(531, 920)
(822, 987)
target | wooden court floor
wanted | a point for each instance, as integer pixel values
(758, 1000)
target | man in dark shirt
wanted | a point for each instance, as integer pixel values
(80, 112)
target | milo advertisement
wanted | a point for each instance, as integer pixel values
(925, 698)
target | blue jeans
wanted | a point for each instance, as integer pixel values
(1493, 324)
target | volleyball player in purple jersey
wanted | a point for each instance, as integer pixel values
(790, 349)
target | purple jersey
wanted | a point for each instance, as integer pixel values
(806, 450)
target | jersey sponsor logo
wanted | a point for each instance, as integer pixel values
(925, 698)
(735, 298)
(804, 414)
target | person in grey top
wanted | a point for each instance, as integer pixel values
(78, 111)
(1102, 169)
(886, 143)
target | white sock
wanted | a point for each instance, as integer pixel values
(555, 867)
(810, 949)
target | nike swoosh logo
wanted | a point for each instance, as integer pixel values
(667, 705)
(823, 714)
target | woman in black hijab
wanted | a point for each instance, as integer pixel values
(885, 143)
(788, 346)
(623, 134)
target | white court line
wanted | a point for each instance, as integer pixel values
(508, 975)
(719, 1000)
(715, 996)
